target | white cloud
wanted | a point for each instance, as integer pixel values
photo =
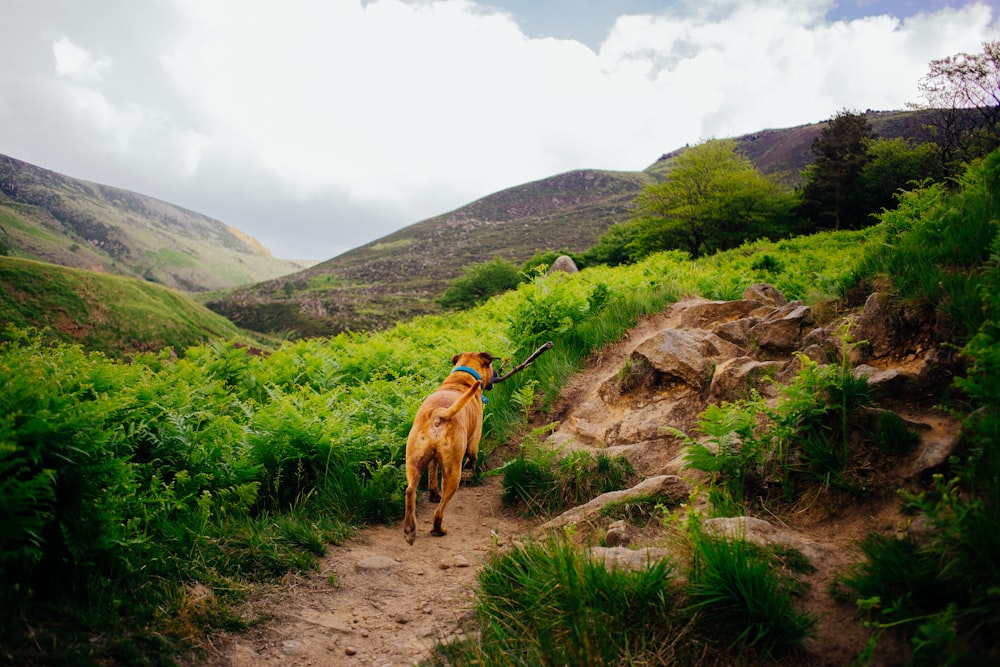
(76, 63)
(319, 125)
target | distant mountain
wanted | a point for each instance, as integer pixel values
(62, 220)
(400, 275)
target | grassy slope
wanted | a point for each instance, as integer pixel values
(70, 222)
(115, 315)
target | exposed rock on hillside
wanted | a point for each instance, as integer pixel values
(706, 352)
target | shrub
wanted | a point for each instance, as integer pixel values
(478, 283)
(544, 482)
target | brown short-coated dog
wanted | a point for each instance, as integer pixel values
(446, 429)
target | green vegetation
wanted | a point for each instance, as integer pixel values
(941, 591)
(712, 199)
(544, 481)
(49, 217)
(104, 313)
(481, 281)
(549, 603)
(739, 595)
(128, 481)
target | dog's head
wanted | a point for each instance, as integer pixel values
(481, 362)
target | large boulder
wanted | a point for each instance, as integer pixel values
(565, 264)
(781, 330)
(704, 314)
(768, 295)
(687, 356)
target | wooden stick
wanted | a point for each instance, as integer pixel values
(527, 362)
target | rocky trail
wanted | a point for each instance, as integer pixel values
(378, 601)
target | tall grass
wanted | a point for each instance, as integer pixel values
(549, 604)
(741, 599)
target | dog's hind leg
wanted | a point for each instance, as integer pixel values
(414, 470)
(433, 494)
(452, 476)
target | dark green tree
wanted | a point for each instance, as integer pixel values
(831, 197)
(893, 165)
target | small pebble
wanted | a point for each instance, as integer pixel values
(350, 650)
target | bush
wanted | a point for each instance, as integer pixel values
(478, 283)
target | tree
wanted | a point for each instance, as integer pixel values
(830, 195)
(963, 93)
(893, 165)
(712, 199)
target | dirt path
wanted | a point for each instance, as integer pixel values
(376, 600)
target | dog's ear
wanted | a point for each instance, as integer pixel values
(486, 358)
(454, 360)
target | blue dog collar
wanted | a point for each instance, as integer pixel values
(473, 373)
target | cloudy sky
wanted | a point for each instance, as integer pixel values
(320, 125)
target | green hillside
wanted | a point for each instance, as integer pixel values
(401, 275)
(115, 315)
(55, 218)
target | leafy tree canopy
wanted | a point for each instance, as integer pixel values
(712, 199)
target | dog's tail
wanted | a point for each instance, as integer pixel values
(456, 407)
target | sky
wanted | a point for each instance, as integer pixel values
(317, 126)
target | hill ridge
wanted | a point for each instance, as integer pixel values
(51, 217)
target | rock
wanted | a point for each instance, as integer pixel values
(821, 346)
(350, 650)
(734, 378)
(686, 355)
(702, 315)
(736, 332)
(935, 448)
(376, 562)
(628, 559)
(766, 294)
(763, 533)
(881, 325)
(563, 263)
(671, 487)
(291, 647)
(781, 331)
(619, 534)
